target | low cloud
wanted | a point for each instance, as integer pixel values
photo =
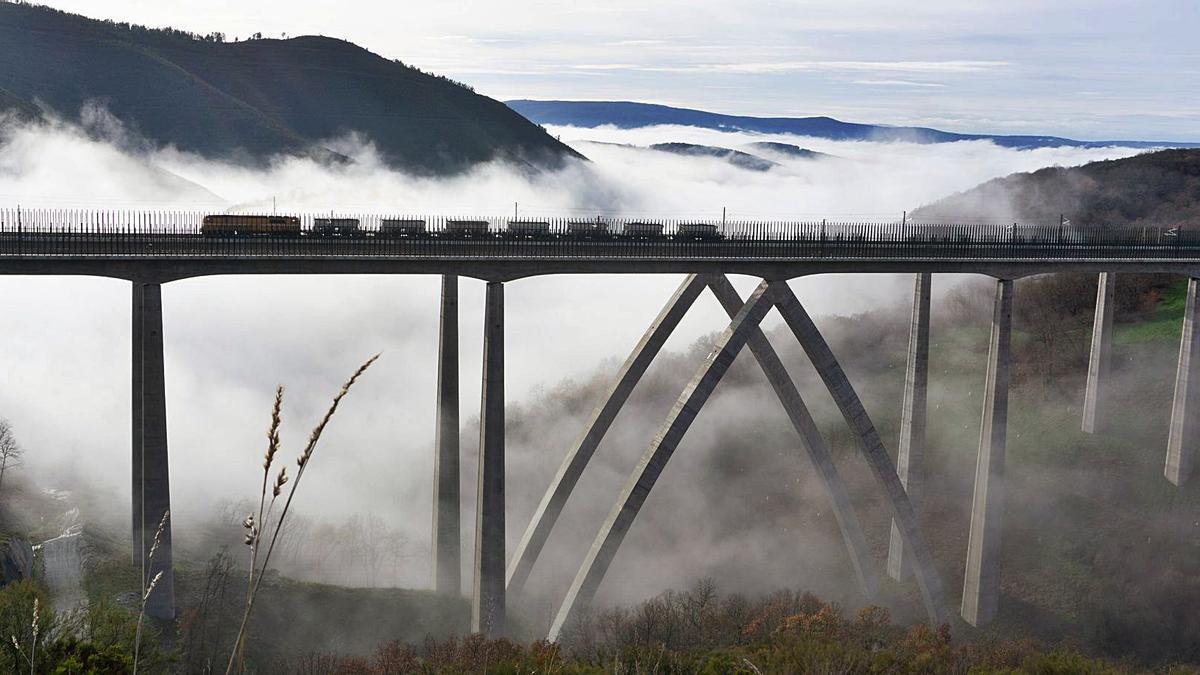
(230, 340)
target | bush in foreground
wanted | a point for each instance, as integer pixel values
(700, 632)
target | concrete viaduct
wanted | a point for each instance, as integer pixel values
(152, 249)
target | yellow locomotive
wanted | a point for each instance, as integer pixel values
(250, 226)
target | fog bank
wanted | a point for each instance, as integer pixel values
(230, 340)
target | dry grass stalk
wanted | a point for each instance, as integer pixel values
(255, 529)
(148, 588)
(33, 626)
(253, 526)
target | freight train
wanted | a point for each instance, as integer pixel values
(226, 225)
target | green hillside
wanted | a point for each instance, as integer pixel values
(1152, 188)
(255, 98)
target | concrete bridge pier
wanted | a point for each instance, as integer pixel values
(151, 474)
(981, 585)
(135, 424)
(447, 534)
(1181, 440)
(488, 599)
(910, 459)
(1095, 401)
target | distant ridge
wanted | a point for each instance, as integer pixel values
(1154, 188)
(254, 99)
(742, 160)
(630, 115)
(787, 150)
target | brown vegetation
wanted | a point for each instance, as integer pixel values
(698, 631)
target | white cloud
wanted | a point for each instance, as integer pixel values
(636, 43)
(866, 66)
(605, 66)
(897, 83)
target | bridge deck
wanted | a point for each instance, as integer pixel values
(149, 250)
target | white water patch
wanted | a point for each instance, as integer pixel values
(62, 571)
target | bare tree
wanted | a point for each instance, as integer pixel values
(373, 545)
(10, 450)
(325, 545)
(294, 543)
(395, 545)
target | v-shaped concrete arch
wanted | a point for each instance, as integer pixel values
(740, 331)
(551, 506)
(654, 460)
(631, 372)
(813, 441)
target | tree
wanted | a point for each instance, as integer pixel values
(10, 450)
(378, 542)
(395, 545)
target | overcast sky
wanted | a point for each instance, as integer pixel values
(1083, 68)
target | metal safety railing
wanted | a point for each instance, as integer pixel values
(160, 234)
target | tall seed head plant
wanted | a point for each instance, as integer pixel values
(31, 658)
(148, 587)
(260, 524)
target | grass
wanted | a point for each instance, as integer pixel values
(1164, 323)
(290, 617)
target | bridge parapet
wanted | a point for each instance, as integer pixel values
(173, 235)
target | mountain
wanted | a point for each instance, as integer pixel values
(742, 160)
(256, 98)
(629, 115)
(1152, 188)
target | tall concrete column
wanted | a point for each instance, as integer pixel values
(447, 535)
(1181, 440)
(152, 493)
(580, 454)
(487, 601)
(135, 424)
(910, 459)
(870, 445)
(1095, 398)
(981, 585)
(654, 460)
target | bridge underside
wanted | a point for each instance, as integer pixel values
(908, 554)
(900, 484)
(165, 269)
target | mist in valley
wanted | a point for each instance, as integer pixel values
(739, 502)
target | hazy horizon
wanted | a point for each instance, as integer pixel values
(1076, 69)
